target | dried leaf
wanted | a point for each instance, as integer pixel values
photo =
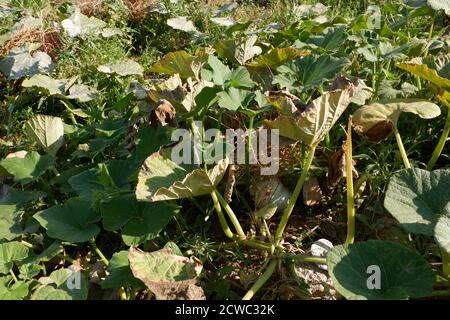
(168, 276)
(312, 194)
(164, 113)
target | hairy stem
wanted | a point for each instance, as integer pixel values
(440, 146)
(263, 279)
(401, 148)
(294, 197)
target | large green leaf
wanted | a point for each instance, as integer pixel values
(28, 169)
(276, 57)
(312, 124)
(138, 219)
(10, 253)
(375, 120)
(11, 290)
(167, 275)
(72, 221)
(80, 25)
(402, 272)
(417, 198)
(123, 68)
(180, 62)
(233, 99)
(106, 177)
(119, 273)
(332, 39)
(161, 178)
(309, 72)
(47, 131)
(62, 284)
(20, 63)
(238, 51)
(49, 85)
(442, 232)
(12, 202)
(182, 23)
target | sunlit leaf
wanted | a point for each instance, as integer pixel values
(47, 131)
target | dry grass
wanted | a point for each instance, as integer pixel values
(89, 7)
(48, 37)
(138, 8)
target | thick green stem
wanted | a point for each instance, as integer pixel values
(293, 199)
(401, 148)
(350, 193)
(304, 258)
(99, 252)
(263, 279)
(223, 222)
(440, 146)
(231, 215)
(445, 263)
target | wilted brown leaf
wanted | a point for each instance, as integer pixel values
(312, 192)
(336, 167)
(377, 133)
(164, 113)
(168, 276)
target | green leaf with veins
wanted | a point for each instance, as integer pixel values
(418, 198)
(119, 273)
(73, 221)
(309, 72)
(28, 169)
(403, 273)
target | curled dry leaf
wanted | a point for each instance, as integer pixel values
(168, 276)
(336, 167)
(161, 179)
(312, 194)
(164, 113)
(312, 124)
(377, 120)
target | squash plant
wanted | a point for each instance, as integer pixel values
(91, 194)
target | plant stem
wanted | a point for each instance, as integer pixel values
(226, 229)
(304, 258)
(401, 148)
(350, 193)
(440, 146)
(99, 253)
(298, 188)
(445, 263)
(11, 272)
(257, 245)
(231, 215)
(258, 284)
